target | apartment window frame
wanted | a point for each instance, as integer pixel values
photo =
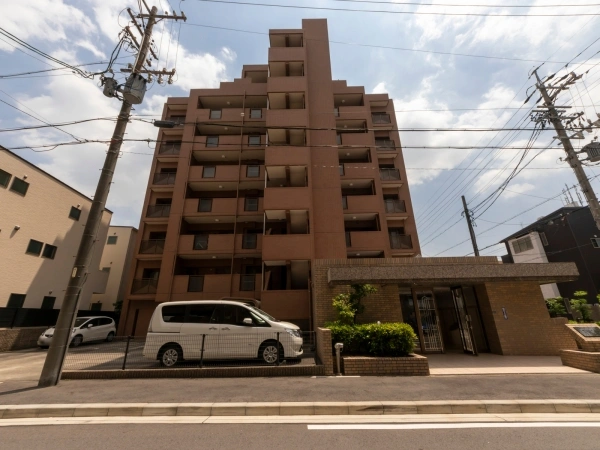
(19, 186)
(205, 204)
(249, 241)
(595, 242)
(201, 242)
(250, 171)
(522, 245)
(112, 240)
(5, 178)
(256, 113)
(32, 250)
(256, 138)
(206, 171)
(16, 300)
(249, 205)
(48, 302)
(215, 114)
(215, 142)
(75, 213)
(49, 251)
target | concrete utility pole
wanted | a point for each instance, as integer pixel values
(57, 352)
(554, 117)
(470, 224)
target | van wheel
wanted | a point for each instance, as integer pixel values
(110, 337)
(170, 355)
(269, 352)
(77, 340)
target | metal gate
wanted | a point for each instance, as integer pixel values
(432, 338)
(464, 320)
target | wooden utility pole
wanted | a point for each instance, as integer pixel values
(467, 214)
(57, 352)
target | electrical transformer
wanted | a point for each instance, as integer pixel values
(110, 87)
(134, 89)
(593, 151)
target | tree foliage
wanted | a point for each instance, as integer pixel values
(556, 306)
(348, 305)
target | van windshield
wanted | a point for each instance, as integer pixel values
(262, 313)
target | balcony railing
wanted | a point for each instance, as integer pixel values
(250, 241)
(158, 211)
(179, 120)
(385, 143)
(247, 282)
(348, 240)
(164, 179)
(395, 206)
(169, 149)
(152, 246)
(399, 241)
(381, 118)
(201, 242)
(144, 286)
(389, 174)
(196, 283)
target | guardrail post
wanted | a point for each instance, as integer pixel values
(202, 351)
(126, 352)
(278, 349)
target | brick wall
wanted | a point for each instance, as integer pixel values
(324, 349)
(413, 365)
(587, 344)
(581, 360)
(528, 328)
(19, 338)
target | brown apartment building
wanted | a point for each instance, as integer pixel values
(264, 175)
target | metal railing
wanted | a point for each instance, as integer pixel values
(389, 174)
(226, 348)
(385, 143)
(395, 206)
(381, 118)
(169, 149)
(196, 283)
(399, 241)
(144, 286)
(158, 211)
(152, 246)
(178, 120)
(167, 179)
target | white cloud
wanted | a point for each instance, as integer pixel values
(228, 54)
(379, 89)
(519, 188)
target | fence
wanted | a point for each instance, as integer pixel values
(195, 350)
(36, 317)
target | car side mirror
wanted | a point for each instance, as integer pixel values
(90, 325)
(247, 321)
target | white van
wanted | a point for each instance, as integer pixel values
(219, 329)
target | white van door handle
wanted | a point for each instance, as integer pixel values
(225, 328)
(213, 328)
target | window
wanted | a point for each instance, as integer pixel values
(112, 240)
(196, 283)
(174, 314)
(205, 205)
(254, 140)
(4, 178)
(201, 242)
(75, 213)
(544, 239)
(522, 245)
(249, 240)
(96, 307)
(200, 313)
(255, 113)
(34, 247)
(251, 204)
(596, 242)
(48, 302)
(16, 301)
(19, 186)
(212, 141)
(231, 314)
(209, 171)
(215, 113)
(105, 321)
(253, 171)
(247, 282)
(49, 251)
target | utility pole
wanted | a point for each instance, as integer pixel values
(554, 117)
(57, 352)
(467, 215)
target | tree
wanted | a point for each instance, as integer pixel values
(350, 304)
(556, 306)
(580, 304)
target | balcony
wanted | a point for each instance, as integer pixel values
(395, 206)
(285, 156)
(152, 247)
(390, 176)
(286, 54)
(204, 245)
(214, 173)
(361, 203)
(219, 206)
(352, 113)
(365, 240)
(158, 211)
(282, 247)
(190, 287)
(163, 181)
(287, 118)
(286, 84)
(248, 243)
(385, 145)
(381, 119)
(286, 305)
(355, 139)
(402, 242)
(169, 149)
(287, 198)
(229, 115)
(144, 286)
(356, 171)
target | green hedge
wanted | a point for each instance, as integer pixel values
(385, 339)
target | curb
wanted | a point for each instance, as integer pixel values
(300, 408)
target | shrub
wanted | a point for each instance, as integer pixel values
(556, 306)
(385, 339)
(349, 305)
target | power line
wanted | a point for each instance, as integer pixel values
(424, 13)
(466, 6)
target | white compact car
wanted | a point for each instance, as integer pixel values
(219, 329)
(86, 329)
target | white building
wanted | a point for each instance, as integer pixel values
(41, 224)
(116, 260)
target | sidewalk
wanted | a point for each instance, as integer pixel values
(306, 389)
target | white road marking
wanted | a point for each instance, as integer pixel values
(445, 426)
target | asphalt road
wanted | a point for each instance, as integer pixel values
(249, 437)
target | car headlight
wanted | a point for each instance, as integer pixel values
(295, 333)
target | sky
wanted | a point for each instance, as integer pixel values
(467, 69)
